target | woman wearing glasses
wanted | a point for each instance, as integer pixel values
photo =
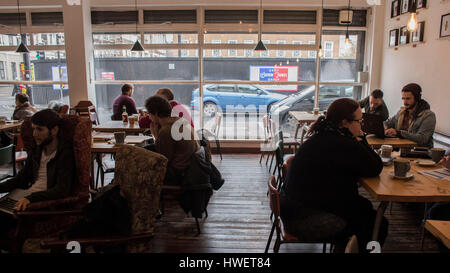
(324, 175)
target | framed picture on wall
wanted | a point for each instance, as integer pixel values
(417, 36)
(445, 25)
(405, 6)
(393, 38)
(404, 36)
(421, 4)
(395, 8)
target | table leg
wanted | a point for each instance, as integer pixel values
(380, 212)
(92, 171)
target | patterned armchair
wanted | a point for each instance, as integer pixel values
(140, 174)
(48, 217)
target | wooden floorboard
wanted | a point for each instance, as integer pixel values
(239, 222)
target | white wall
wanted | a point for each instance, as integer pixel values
(428, 64)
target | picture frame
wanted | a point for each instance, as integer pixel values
(405, 6)
(404, 36)
(445, 26)
(393, 38)
(417, 36)
(421, 4)
(395, 8)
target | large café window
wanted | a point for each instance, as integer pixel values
(285, 74)
(28, 71)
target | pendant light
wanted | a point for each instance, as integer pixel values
(137, 47)
(412, 22)
(348, 43)
(260, 46)
(321, 53)
(22, 48)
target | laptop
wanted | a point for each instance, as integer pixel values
(373, 124)
(8, 201)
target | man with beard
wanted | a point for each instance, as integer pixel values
(49, 171)
(374, 104)
(415, 121)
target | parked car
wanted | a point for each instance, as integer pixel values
(241, 97)
(304, 101)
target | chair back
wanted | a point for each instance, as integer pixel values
(6, 154)
(18, 142)
(352, 245)
(218, 121)
(86, 108)
(140, 174)
(305, 130)
(75, 130)
(286, 165)
(274, 197)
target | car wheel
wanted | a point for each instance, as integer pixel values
(209, 109)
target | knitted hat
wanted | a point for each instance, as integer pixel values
(415, 89)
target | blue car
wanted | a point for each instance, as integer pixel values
(235, 97)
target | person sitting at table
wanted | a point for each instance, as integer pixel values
(126, 100)
(179, 150)
(23, 107)
(49, 171)
(414, 121)
(374, 104)
(325, 171)
(178, 110)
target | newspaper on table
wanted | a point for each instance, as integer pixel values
(442, 174)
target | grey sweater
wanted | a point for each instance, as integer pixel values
(421, 127)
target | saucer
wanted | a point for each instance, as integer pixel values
(425, 162)
(387, 160)
(408, 176)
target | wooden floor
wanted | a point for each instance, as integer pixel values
(238, 220)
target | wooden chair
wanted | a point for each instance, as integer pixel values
(283, 236)
(20, 153)
(49, 217)
(86, 108)
(269, 142)
(140, 174)
(352, 245)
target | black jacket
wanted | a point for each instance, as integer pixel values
(196, 186)
(325, 171)
(60, 174)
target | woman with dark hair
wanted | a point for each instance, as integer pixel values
(23, 107)
(325, 171)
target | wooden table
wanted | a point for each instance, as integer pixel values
(10, 126)
(421, 188)
(440, 230)
(103, 147)
(303, 116)
(376, 142)
(118, 126)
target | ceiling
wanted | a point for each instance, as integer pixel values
(11, 4)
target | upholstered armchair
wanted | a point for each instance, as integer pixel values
(48, 217)
(140, 174)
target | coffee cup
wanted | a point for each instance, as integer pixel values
(2, 121)
(132, 120)
(316, 111)
(437, 154)
(386, 150)
(401, 167)
(119, 137)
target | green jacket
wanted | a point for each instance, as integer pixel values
(61, 174)
(381, 110)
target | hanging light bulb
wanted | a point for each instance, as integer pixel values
(348, 43)
(287, 62)
(137, 47)
(412, 22)
(297, 60)
(22, 48)
(321, 51)
(260, 46)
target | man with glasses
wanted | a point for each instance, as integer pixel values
(414, 121)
